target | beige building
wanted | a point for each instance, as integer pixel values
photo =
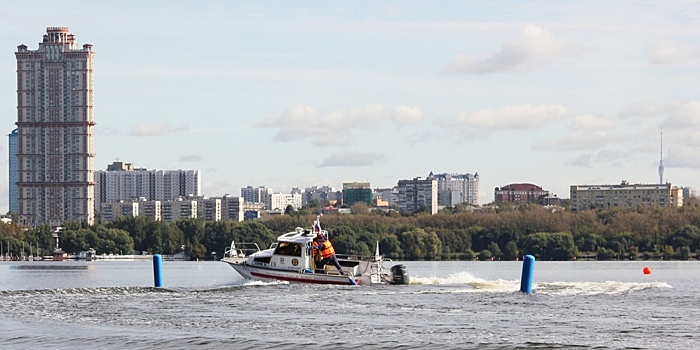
(110, 211)
(172, 211)
(55, 123)
(625, 195)
(209, 209)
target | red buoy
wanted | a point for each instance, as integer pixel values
(647, 270)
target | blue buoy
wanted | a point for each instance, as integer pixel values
(528, 273)
(352, 281)
(158, 270)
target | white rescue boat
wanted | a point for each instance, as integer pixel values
(292, 259)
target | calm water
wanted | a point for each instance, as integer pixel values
(466, 305)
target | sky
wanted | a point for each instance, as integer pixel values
(288, 94)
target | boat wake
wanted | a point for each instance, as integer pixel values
(595, 288)
(476, 284)
(465, 278)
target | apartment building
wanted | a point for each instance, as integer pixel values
(417, 195)
(55, 122)
(625, 195)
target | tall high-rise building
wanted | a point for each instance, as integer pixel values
(55, 123)
(417, 195)
(13, 170)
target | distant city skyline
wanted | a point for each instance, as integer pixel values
(306, 94)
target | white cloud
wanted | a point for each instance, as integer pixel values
(333, 128)
(595, 122)
(350, 159)
(589, 160)
(582, 161)
(191, 158)
(677, 114)
(534, 48)
(683, 157)
(671, 53)
(159, 129)
(586, 132)
(512, 117)
(404, 115)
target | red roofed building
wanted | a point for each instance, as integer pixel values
(520, 193)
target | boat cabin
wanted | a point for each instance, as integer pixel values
(293, 251)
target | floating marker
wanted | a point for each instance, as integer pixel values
(528, 273)
(158, 270)
(647, 270)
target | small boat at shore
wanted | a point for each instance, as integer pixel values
(292, 259)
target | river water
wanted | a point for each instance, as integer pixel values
(448, 305)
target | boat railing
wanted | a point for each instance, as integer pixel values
(242, 250)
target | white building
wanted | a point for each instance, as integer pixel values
(454, 189)
(122, 182)
(280, 201)
(418, 194)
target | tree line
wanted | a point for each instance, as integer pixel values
(455, 233)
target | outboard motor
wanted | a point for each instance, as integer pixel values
(399, 274)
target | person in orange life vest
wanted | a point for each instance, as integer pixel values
(325, 248)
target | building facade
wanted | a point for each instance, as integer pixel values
(354, 192)
(123, 182)
(209, 209)
(55, 122)
(418, 195)
(172, 211)
(252, 194)
(111, 211)
(625, 195)
(454, 189)
(232, 208)
(280, 201)
(520, 193)
(320, 193)
(12, 176)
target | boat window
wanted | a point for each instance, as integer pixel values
(287, 248)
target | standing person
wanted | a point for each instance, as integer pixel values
(325, 248)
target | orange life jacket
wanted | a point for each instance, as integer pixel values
(327, 249)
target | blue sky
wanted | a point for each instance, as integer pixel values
(294, 94)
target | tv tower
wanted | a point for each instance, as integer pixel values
(661, 160)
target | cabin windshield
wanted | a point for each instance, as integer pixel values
(287, 248)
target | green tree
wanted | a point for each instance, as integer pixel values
(549, 246)
(510, 252)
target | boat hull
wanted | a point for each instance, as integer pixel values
(267, 274)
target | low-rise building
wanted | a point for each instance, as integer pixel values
(625, 195)
(354, 192)
(520, 193)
